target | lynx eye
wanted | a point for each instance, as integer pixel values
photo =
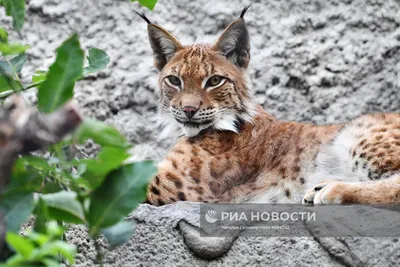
(215, 81)
(174, 81)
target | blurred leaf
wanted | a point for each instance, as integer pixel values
(122, 191)
(12, 49)
(20, 244)
(150, 4)
(38, 76)
(17, 63)
(38, 238)
(54, 230)
(119, 233)
(50, 262)
(4, 86)
(16, 209)
(98, 60)
(3, 35)
(7, 83)
(42, 216)
(100, 133)
(36, 162)
(15, 9)
(107, 160)
(50, 187)
(59, 84)
(24, 178)
(64, 206)
(54, 248)
(16, 261)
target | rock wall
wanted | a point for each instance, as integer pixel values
(312, 60)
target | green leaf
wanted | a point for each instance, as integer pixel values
(36, 162)
(122, 191)
(100, 133)
(4, 86)
(57, 247)
(98, 60)
(9, 71)
(50, 263)
(16, 261)
(18, 62)
(39, 76)
(7, 83)
(20, 244)
(64, 206)
(42, 216)
(50, 187)
(3, 35)
(150, 4)
(14, 66)
(24, 178)
(12, 49)
(54, 230)
(63, 73)
(38, 238)
(119, 233)
(109, 158)
(16, 209)
(16, 9)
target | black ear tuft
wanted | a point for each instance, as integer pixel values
(143, 17)
(245, 10)
(163, 43)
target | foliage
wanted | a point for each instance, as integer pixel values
(15, 9)
(40, 249)
(60, 80)
(61, 188)
(150, 4)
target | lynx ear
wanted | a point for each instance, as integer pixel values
(234, 43)
(163, 43)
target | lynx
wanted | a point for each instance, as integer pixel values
(232, 151)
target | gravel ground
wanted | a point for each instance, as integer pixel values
(323, 61)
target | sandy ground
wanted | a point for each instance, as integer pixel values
(312, 60)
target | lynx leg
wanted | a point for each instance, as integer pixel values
(373, 146)
(376, 192)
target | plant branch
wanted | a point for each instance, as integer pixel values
(10, 92)
(23, 129)
(29, 86)
(99, 255)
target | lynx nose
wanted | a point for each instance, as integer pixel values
(189, 111)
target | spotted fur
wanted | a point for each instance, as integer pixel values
(233, 151)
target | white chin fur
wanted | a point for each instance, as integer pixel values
(227, 122)
(193, 131)
(170, 127)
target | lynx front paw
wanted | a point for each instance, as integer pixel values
(326, 193)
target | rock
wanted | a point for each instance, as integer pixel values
(208, 248)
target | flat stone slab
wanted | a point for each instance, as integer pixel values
(168, 236)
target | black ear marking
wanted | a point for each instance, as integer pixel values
(245, 10)
(143, 17)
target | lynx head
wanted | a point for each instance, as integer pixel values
(203, 85)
